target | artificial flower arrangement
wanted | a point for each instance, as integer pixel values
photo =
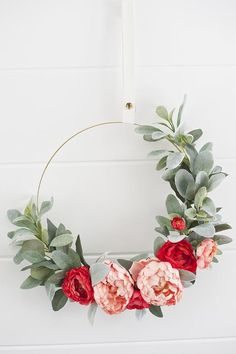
(188, 237)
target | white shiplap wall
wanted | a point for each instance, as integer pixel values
(59, 72)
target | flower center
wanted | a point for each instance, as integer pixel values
(79, 289)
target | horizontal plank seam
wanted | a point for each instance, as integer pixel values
(109, 67)
(111, 254)
(105, 161)
(75, 345)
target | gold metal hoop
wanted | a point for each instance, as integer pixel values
(63, 144)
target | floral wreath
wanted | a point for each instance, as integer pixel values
(188, 238)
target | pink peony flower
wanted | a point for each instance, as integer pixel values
(114, 292)
(158, 282)
(205, 253)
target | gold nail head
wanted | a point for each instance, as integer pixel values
(129, 105)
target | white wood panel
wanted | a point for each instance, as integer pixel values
(49, 106)
(207, 310)
(207, 346)
(111, 205)
(185, 32)
(56, 33)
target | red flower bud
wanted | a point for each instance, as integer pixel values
(77, 285)
(178, 223)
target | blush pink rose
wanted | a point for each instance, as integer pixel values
(206, 252)
(114, 292)
(159, 282)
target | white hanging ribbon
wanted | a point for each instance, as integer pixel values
(128, 61)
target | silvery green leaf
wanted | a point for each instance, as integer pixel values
(13, 214)
(125, 263)
(181, 111)
(162, 112)
(206, 147)
(219, 252)
(202, 179)
(79, 250)
(216, 169)
(162, 221)
(158, 135)
(159, 153)
(56, 278)
(30, 283)
(173, 206)
(59, 300)
(209, 206)
(190, 191)
(146, 129)
(222, 240)
(148, 138)
(25, 222)
(186, 275)
(199, 197)
(174, 159)
(169, 174)
(192, 153)
(197, 133)
(50, 290)
(215, 260)
(52, 229)
(203, 162)
(98, 272)
(18, 257)
(61, 240)
(156, 311)
(44, 263)
(40, 273)
(162, 230)
(75, 258)
(187, 284)
(175, 237)
(190, 213)
(158, 243)
(139, 314)
(222, 227)
(161, 164)
(62, 260)
(33, 245)
(92, 312)
(182, 179)
(206, 230)
(45, 207)
(32, 256)
(215, 180)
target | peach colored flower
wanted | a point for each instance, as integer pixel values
(114, 292)
(158, 282)
(205, 253)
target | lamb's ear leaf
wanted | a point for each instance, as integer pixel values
(186, 275)
(98, 271)
(79, 250)
(92, 312)
(157, 244)
(180, 111)
(156, 311)
(59, 300)
(125, 263)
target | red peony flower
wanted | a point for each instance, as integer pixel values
(77, 285)
(180, 255)
(178, 223)
(137, 302)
